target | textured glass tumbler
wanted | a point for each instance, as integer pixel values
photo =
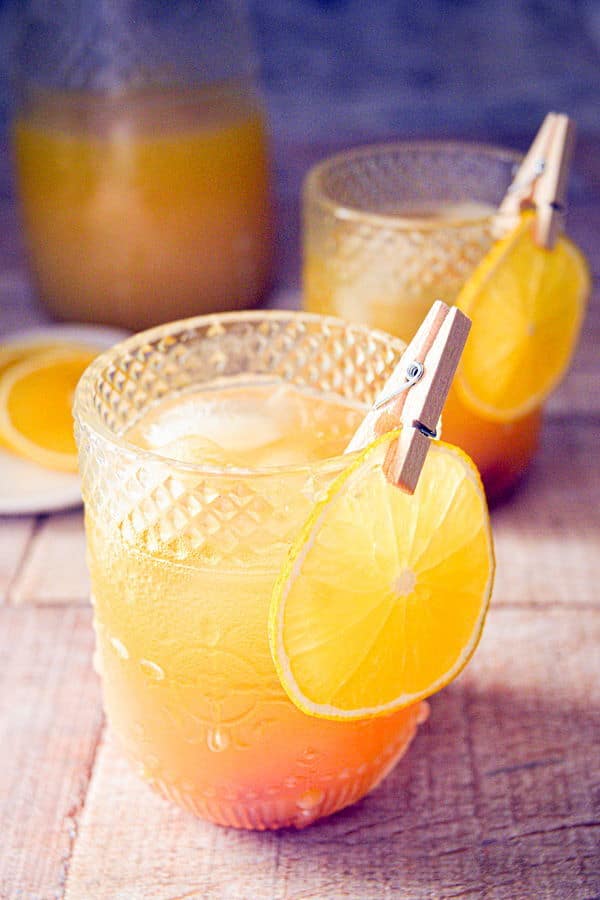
(183, 559)
(377, 251)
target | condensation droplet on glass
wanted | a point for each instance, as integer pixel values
(97, 662)
(310, 800)
(290, 782)
(210, 633)
(152, 669)
(308, 489)
(423, 713)
(119, 648)
(217, 740)
(273, 791)
(218, 360)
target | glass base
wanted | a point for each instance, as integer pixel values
(297, 801)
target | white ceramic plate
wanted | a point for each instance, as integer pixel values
(25, 488)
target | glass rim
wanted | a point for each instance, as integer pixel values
(313, 183)
(86, 415)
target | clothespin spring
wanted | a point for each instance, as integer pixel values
(414, 372)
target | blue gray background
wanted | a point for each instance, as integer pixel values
(342, 72)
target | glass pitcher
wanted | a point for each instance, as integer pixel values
(141, 159)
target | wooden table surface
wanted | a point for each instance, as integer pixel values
(499, 797)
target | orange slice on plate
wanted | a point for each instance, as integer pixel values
(527, 305)
(13, 353)
(36, 394)
(383, 596)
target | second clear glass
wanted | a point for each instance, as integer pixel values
(390, 228)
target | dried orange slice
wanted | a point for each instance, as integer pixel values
(36, 394)
(10, 354)
(383, 597)
(527, 305)
(13, 353)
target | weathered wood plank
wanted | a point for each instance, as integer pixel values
(50, 720)
(55, 570)
(547, 535)
(15, 535)
(497, 799)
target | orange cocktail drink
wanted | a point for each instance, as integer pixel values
(144, 206)
(204, 446)
(391, 228)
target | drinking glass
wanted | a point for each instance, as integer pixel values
(141, 159)
(390, 228)
(183, 559)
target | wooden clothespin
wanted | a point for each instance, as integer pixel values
(541, 181)
(415, 393)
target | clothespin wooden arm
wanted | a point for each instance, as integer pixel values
(541, 181)
(550, 192)
(415, 393)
